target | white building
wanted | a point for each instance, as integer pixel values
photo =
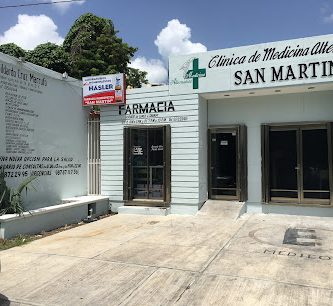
(43, 133)
(250, 124)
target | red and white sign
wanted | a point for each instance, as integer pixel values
(104, 90)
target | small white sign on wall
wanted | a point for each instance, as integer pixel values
(137, 150)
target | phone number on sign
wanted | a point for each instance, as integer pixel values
(67, 172)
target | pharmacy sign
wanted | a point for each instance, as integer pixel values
(195, 73)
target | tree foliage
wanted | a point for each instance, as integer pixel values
(13, 50)
(94, 49)
(135, 77)
(91, 47)
(50, 56)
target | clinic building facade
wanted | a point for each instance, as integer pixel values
(250, 124)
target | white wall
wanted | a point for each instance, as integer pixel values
(184, 146)
(253, 111)
(41, 117)
(203, 162)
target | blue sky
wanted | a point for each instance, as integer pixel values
(196, 25)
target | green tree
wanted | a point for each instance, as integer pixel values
(50, 56)
(135, 77)
(94, 49)
(91, 47)
(13, 50)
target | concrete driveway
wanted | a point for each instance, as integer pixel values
(213, 258)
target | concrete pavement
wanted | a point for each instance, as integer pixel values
(213, 258)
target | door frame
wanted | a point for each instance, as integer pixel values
(299, 127)
(241, 161)
(127, 168)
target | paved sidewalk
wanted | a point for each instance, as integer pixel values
(209, 259)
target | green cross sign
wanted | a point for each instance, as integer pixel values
(195, 73)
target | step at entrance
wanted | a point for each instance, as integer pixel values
(223, 209)
(144, 210)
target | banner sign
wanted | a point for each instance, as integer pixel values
(104, 90)
(293, 62)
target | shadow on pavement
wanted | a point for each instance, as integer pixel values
(4, 300)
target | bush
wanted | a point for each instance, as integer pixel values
(11, 198)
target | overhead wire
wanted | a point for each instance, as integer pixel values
(36, 4)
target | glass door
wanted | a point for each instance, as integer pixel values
(223, 164)
(155, 164)
(139, 156)
(283, 166)
(147, 164)
(297, 163)
(227, 163)
(315, 165)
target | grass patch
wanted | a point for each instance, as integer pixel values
(13, 242)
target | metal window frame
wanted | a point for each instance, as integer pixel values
(128, 169)
(94, 156)
(265, 175)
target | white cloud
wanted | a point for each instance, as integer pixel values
(326, 12)
(63, 7)
(175, 39)
(31, 31)
(328, 19)
(157, 73)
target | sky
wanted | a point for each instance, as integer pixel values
(162, 28)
